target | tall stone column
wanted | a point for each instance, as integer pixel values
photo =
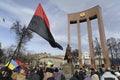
(91, 49)
(103, 39)
(79, 44)
(68, 30)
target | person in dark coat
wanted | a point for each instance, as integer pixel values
(81, 75)
(6, 74)
(74, 77)
(76, 74)
(49, 74)
(40, 73)
(63, 77)
(33, 75)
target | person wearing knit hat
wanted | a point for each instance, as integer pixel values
(49, 74)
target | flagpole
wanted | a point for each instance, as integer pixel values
(17, 48)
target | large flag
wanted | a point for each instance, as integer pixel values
(40, 24)
(12, 65)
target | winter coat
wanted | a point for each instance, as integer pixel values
(57, 76)
(81, 75)
(88, 78)
(51, 78)
(63, 77)
(108, 75)
(73, 78)
(35, 77)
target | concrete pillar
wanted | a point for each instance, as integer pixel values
(68, 30)
(103, 40)
(79, 44)
(91, 49)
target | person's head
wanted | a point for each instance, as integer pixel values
(3, 73)
(80, 69)
(56, 69)
(49, 72)
(22, 71)
(35, 71)
(108, 70)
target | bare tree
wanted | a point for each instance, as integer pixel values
(97, 51)
(114, 48)
(23, 35)
(118, 48)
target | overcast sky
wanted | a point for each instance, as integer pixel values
(56, 11)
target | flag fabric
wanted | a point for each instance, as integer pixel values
(17, 69)
(12, 65)
(40, 24)
(18, 62)
(50, 62)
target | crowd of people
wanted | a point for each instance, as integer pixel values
(31, 73)
(54, 73)
(96, 74)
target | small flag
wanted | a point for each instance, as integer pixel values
(40, 24)
(50, 62)
(12, 65)
(18, 62)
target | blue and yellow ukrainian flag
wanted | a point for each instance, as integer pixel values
(12, 65)
(50, 62)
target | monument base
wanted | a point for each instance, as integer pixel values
(68, 70)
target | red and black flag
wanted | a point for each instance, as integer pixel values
(40, 24)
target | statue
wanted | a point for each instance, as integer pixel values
(68, 56)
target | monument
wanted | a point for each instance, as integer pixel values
(87, 16)
(68, 68)
(68, 56)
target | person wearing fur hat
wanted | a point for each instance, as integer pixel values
(49, 74)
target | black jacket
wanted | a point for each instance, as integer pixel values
(51, 78)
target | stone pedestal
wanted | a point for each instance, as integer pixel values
(68, 70)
